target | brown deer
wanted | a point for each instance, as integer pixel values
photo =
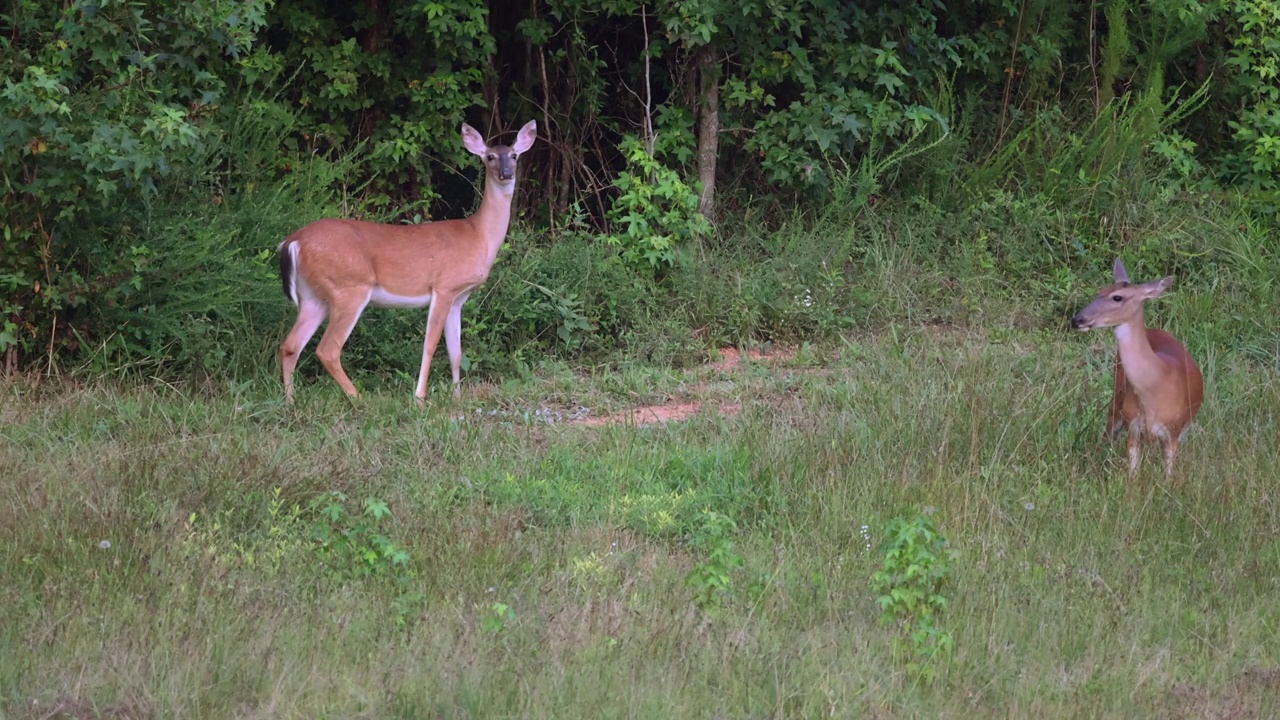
(1158, 387)
(336, 268)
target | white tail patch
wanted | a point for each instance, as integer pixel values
(293, 276)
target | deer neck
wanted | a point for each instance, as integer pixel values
(493, 217)
(1143, 368)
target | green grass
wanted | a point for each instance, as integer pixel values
(548, 562)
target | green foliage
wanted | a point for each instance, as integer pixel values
(810, 79)
(666, 500)
(100, 103)
(1116, 48)
(273, 542)
(337, 545)
(711, 578)
(152, 156)
(394, 77)
(1055, 158)
(909, 584)
(1255, 53)
(1179, 152)
(877, 162)
(655, 214)
(355, 544)
(496, 617)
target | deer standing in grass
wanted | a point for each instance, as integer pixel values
(1158, 387)
(336, 268)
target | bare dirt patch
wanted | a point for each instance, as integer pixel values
(730, 358)
(678, 410)
(654, 414)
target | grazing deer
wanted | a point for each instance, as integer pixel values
(1158, 387)
(336, 268)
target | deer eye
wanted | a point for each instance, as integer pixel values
(491, 158)
(1117, 298)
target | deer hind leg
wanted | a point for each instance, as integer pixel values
(436, 316)
(310, 314)
(344, 311)
(453, 342)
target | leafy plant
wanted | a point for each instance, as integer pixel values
(273, 544)
(496, 617)
(655, 212)
(288, 536)
(909, 585)
(354, 544)
(1256, 53)
(101, 102)
(711, 578)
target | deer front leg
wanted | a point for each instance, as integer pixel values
(1170, 452)
(453, 342)
(436, 316)
(1135, 452)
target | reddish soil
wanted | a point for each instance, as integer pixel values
(676, 410)
(730, 358)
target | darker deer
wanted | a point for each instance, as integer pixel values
(1158, 387)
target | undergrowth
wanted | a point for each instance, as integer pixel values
(1016, 238)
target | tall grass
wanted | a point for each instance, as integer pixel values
(548, 561)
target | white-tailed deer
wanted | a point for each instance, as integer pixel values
(336, 268)
(1158, 387)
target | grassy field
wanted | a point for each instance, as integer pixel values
(170, 552)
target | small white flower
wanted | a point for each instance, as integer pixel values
(1029, 505)
(104, 545)
(490, 589)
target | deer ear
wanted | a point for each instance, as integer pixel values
(1156, 288)
(1121, 275)
(525, 139)
(473, 141)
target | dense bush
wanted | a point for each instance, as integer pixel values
(154, 155)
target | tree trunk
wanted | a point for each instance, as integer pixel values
(371, 40)
(708, 129)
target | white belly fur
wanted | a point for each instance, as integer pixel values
(381, 298)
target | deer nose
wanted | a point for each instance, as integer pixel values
(1077, 322)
